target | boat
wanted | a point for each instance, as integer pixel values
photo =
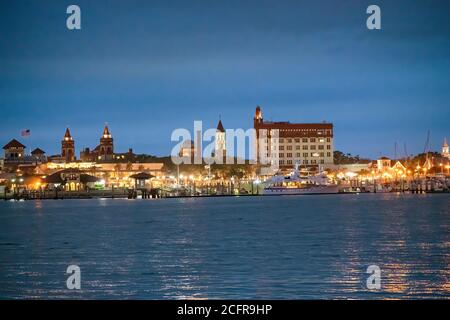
(300, 182)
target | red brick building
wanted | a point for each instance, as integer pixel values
(288, 143)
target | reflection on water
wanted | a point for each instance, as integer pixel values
(311, 247)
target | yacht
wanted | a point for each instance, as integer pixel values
(300, 182)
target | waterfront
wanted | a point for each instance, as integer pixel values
(297, 247)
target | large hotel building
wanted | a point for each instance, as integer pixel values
(309, 144)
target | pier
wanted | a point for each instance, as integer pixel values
(417, 186)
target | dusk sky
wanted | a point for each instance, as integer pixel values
(149, 67)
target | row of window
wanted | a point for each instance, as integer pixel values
(287, 162)
(306, 131)
(305, 154)
(304, 140)
(306, 147)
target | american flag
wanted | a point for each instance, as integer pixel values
(26, 133)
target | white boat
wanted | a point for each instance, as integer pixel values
(296, 183)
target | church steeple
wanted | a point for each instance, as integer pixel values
(106, 151)
(67, 135)
(220, 126)
(68, 147)
(220, 142)
(106, 133)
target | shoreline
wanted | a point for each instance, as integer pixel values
(95, 197)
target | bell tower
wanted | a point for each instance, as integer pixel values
(106, 151)
(68, 147)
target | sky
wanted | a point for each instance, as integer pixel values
(149, 67)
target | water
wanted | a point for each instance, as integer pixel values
(293, 247)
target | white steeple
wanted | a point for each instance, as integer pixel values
(445, 149)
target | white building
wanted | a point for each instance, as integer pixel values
(220, 142)
(445, 149)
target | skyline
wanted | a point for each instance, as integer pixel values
(148, 68)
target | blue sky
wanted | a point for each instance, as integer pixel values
(148, 67)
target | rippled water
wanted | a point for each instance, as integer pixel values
(296, 247)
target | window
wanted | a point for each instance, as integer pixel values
(328, 147)
(321, 154)
(305, 140)
(281, 162)
(289, 162)
(312, 140)
(281, 155)
(298, 154)
(313, 147)
(281, 147)
(297, 147)
(322, 161)
(328, 154)
(305, 154)
(297, 140)
(289, 147)
(305, 147)
(320, 146)
(289, 140)
(289, 155)
(313, 161)
(305, 161)
(328, 140)
(281, 140)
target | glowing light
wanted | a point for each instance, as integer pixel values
(351, 174)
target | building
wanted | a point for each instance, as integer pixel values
(220, 142)
(110, 174)
(285, 144)
(125, 157)
(39, 155)
(384, 164)
(16, 159)
(106, 147)
(445, 150)
(187, 149)
(68, 147)
(14, 151)
(71, 180)
(103, 152)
